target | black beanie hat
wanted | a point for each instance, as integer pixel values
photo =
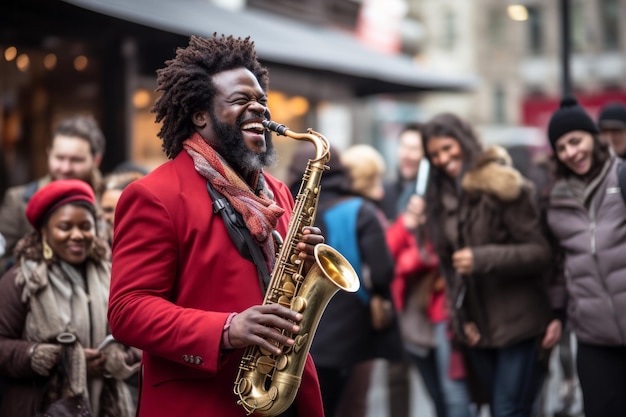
(570, 116)
(613, 116)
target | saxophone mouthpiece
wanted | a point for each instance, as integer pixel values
(276, 127)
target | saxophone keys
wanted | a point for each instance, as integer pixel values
(272, 393)
(243, 386)
(284, 301)
(298, 304)
(289, 288)
(265, 364)
(300, 342)
(281, 362)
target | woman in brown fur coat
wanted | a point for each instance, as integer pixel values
(486, 231)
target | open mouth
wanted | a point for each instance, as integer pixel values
(253, 127)
(451, 168)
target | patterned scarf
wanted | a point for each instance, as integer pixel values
(259, 212)
(61, 299)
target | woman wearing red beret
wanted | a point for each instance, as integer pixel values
(53, 312)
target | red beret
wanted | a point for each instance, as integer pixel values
(54, 195)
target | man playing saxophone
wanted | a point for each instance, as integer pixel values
(181, 289)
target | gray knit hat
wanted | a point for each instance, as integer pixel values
(570, 116)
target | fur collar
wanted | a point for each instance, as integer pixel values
(494, 175)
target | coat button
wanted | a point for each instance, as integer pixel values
(186, 358)
(198, 360)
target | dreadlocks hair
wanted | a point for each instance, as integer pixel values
(187, 87)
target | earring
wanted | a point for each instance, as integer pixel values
(47, 251)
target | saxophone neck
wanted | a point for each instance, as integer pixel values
(322, 146)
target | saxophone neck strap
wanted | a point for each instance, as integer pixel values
(240, 235)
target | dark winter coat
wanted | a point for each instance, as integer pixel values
(397, 194)
(496, 217)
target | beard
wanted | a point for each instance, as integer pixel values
(234, 150)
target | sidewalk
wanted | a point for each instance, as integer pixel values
(377, 397)
(421, 405)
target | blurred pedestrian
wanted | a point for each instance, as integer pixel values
(398, 191)
(53, 305)
(409, 155)
(485, 227)
(345, 336)
(612, 124)
(587, 216)
(419, 293)
(367, 168)
(418, 288)
(75, 152)
(112, 186)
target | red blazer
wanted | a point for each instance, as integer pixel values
(176, 277)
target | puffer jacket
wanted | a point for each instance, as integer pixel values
(589, 222)
(496, 217)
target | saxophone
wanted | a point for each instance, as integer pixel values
(267, 383)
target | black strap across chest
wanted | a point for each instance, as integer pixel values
(239, 234)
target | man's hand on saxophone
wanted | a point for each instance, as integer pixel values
(311, 236)
(262, 325)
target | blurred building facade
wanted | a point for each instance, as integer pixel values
(355, 70)
(100, 57)
(515, 48)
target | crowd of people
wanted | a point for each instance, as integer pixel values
(142, 293)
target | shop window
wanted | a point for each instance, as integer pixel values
(448, 39)
(535, 30)
(499, 105)
(578, 31)
(610, 15)
(495, 27)
(145, 147)
(39, 86)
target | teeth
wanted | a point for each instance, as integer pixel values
(253, 126)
